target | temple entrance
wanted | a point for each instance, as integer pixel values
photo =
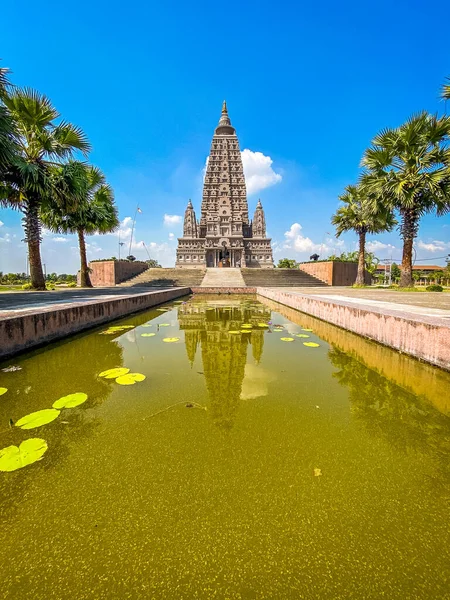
(224, 258)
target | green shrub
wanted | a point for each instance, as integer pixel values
(434, 288)
(72, 284)
(27, 286)
(50, 286)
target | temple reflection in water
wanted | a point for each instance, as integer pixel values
(208, 324)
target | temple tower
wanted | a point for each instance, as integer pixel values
(224, 237)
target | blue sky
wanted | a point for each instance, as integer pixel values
(307, 85)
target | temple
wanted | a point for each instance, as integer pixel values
(224, 236)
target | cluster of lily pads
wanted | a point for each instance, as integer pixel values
(119, 328)
(115, 329)
(33, 449)
(122, 376)
(280, 328)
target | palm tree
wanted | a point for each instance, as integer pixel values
(95, 212)
(355, 215)
(408, 169)
(7, 129)
(42, 144)
(445, 92)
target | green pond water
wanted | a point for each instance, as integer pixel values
(243, 466)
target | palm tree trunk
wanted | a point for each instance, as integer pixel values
(85, 280)
(32, 228)
(408, 230)
(361, 258)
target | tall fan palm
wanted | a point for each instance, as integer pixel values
(408, 169)
(42, 145)
(355, 215)
(95, 211)
(7, 130)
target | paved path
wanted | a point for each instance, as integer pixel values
(438, 300)
(14, 302)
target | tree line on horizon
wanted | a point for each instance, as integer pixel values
(405, 174)
(41, 176)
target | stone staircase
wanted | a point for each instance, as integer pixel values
(223, 278)
(158, 278)
(279, 278)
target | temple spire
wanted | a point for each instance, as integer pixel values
(190, 222)
(259, 222)
(224, 127)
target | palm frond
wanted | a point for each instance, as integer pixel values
(67, 138)
(445, 90)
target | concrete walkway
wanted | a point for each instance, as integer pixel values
(440, 300)
(12, 302)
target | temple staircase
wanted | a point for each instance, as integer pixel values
(166, 278)
(279, 278)
(223, 278)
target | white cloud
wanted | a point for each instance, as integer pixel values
(172, 219)
(297, 241)
(163, 253)
(60, 240)
(5, 238)
(434, 246)
(301, 244)
(258, 171)
(93, 248)
(171, 236)
(1, 223)
(376, 246)
(124, 230)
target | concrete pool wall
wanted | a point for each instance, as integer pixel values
(422, 335)
(24, 329)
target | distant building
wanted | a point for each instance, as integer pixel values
(224, 236)
(427, 269)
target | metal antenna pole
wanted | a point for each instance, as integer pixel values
(132, 229)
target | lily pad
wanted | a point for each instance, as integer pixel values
(278, 329)
(234, 332)
(245, 331)
(3, 391)
(147, 334)
(311, 344)
(317, 472)
(130, 378)
(304, 329)
(71, 400)
(262, 325)
(173, 339)
(164, 324)
(246, 326)
(113, 373)
(287, 339)
(147, 325)
(38, 418)
(16, 457)
(302, 335)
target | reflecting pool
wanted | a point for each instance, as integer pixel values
(265, 455)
